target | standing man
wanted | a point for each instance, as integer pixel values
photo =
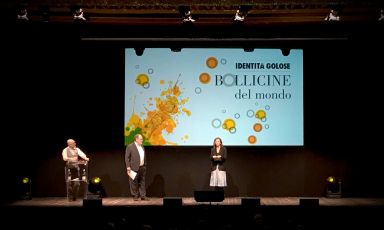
(73, 156)
(135, 160)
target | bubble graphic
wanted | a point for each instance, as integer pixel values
(250, 113)
(198, 90)
(211, 62)
(150, 71)
(232, 130)
(261, 114)
(143, 80)
(229, 124)
(267, 107)
(223, 61)
(252, 139)
(266, 126)
(205, 78)
(229, 79)
(216, 123)
(185, 138)
(237, 115)
(257, 127)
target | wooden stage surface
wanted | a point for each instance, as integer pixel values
(122, 213)
(190, 201)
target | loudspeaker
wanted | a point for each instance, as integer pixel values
(209, 196)
(172, 202)
(92, 203)
(250, 201)
(309, 202)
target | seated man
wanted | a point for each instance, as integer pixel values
(73, 156)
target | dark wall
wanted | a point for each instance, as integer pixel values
(59, 88)
(178, 171)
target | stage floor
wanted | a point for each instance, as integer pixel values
(122, 213)
(190, 201)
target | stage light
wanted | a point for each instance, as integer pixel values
(22, 14)
(334, 14)
(26, 188)
(333, 188)
(95, 193)
(241, 14)
(186, 15)
(96, 180)
(26, 180)
(78, 14)
(95, 188)
(381, 18)
(330, 179)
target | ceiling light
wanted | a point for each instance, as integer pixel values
(186, 15)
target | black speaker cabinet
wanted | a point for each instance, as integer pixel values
(172, 202)
(250, 201)
(92, 203)
(209, 196)
(309, 202)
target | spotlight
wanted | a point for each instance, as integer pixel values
(330, 179)
(139, 51)
(78, 14)
(25, 180)
(22, 14)
(333, 189)
(96, 180)
(334, 14)
(381, 18)
(25, 188)
(95, 189)
(186, 14)
(241, 14)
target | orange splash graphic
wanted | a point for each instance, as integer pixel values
(169, 105)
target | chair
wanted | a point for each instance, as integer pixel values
(76, 174)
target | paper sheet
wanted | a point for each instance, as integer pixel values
(132, 174)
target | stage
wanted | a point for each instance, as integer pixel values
(190, 201)
(232, 213)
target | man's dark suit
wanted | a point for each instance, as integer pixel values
(132, 160)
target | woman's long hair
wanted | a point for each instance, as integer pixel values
(214, 140)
